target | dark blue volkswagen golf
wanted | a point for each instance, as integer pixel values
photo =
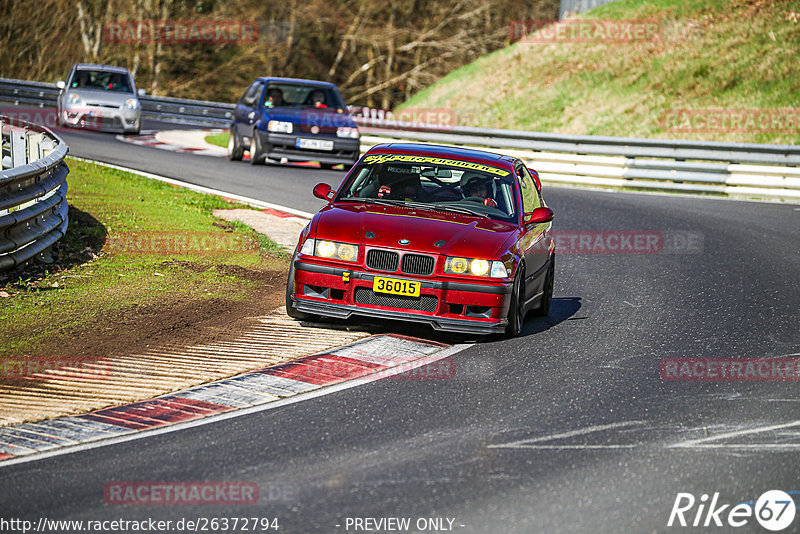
(299, 120)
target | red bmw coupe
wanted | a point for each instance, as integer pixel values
(456, 238)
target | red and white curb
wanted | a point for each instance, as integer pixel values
(190, 142)
(363, 361)
(152, 140)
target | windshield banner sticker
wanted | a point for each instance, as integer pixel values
(383, 158)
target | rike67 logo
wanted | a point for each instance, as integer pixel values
(774, 510)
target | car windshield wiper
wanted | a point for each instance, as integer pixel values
(418, 205)
(371, 200)
(459, 209)
(389, 202)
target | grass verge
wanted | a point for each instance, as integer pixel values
(132, 244)
(727, 55)
(219, 139)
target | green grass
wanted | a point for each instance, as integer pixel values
(712, 54)
(128, 244)
(219, 139)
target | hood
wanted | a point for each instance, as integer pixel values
(463, 235)
(101, 98)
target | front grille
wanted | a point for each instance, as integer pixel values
(417, 264)
(365, 295)
(383, 260)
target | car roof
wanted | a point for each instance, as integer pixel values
(451, 152)
(107, 68)
(297, 80)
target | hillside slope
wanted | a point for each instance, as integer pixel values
(720, 55)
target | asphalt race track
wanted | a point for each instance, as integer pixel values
(570, 428)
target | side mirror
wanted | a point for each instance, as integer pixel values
(141, 92)
(539, 215)
(60, 84)
(323, 191)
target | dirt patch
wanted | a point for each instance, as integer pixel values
(182, 321)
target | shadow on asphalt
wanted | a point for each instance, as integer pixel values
(561, 309)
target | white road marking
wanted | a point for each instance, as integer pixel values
(531, 443)
(704, 442)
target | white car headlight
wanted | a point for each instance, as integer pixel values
(335, 250)
(279, 126)
(346, 131)
(475, 267)
(132, 104)
(73, 99)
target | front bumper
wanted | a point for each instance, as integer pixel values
(474, 308)
(280, 145)
(102, 118)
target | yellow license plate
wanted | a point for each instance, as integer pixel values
(396, 287)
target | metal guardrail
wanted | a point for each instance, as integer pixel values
(33, 191)
(735, 169)
(177, 110)
(744, 169)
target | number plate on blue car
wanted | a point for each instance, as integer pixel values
(396, 287)
(315, 144)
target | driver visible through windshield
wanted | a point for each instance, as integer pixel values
(432, 183)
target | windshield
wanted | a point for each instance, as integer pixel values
(432, 183)
(302, 96)
(102, 81)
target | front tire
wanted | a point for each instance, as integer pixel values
(256, 155)
(516, 316)
(235, 149)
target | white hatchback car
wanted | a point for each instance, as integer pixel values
(100, 97)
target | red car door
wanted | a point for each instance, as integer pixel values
(535, 239)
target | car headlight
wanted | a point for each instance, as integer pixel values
(74, 99)
(330, 249)
(346, 131)
(279, 126)
(132, 104)
(475, 267)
